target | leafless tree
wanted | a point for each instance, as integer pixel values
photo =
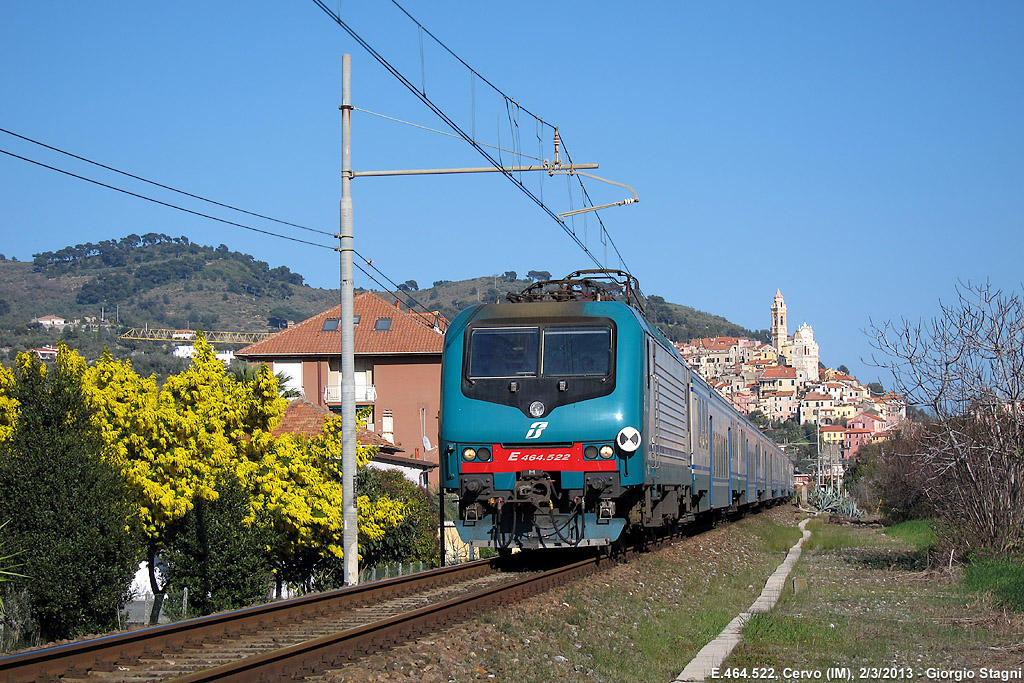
(967, 367)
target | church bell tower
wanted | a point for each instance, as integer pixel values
(780, 329)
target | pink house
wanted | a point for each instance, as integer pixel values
(872, 423)
(854, 439)
(743, 401)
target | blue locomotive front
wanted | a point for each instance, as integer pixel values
(541, 416)
(566, 418)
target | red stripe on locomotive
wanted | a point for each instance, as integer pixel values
(557, 459)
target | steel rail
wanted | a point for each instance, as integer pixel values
(330, 651)
(105, 653)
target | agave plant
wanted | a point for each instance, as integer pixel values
(828, 500)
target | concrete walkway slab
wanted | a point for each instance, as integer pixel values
(714, 653)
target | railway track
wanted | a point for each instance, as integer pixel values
(309, 635)
(290, 638)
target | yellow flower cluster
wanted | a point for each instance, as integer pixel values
(8, 404)
(172, 442)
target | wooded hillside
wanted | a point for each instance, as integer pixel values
(171, 282)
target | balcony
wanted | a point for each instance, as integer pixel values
(365, 393)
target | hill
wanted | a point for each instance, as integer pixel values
(170, 282)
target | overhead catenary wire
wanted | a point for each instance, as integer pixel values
(411, 87)
(393, 292)
(160, 185)
(441, 132)
(397, 293)
(163, 203)
(520, 107)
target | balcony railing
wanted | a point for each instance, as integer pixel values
(364, 394)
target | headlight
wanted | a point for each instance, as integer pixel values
(484, 454)
(590, 452)
(469, 454)
(607, 452)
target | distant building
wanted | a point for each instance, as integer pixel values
(187, 351)
(854, 439)
(873, 423)
(779, 378)
(784, 381)
(800, 350)
(832, 435)
(51, 321)
(46, 353)
(813, 406)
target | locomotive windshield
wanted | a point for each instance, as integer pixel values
(504, 352)
(577, 351)
(532, 351)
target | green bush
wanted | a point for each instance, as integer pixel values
(67, 508)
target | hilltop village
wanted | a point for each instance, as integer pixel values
(784, 380)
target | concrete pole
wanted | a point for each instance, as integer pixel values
(348, 365)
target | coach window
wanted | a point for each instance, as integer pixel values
(503, 352)
(577, 351)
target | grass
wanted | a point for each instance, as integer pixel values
(868, 604)
(773, 536)
(1004, 579)
(918, 533)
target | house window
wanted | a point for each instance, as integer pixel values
(332, 324)
(382, 324)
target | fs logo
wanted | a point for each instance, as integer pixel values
(535, 430)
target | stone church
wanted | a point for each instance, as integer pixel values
(800, 350)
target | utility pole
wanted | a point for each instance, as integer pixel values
(817, 450)
(350, 514)
(345, 247)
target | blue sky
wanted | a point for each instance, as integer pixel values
(862, 157)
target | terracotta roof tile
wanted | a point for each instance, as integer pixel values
(303, 417)
(779, 372)
(409, 333)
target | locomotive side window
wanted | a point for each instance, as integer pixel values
(577, 351)
(503, 352)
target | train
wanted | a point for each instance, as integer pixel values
(567, 419)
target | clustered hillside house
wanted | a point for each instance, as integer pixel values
(398, 370)
(784, 381)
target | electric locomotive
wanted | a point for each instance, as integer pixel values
(567, 418)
